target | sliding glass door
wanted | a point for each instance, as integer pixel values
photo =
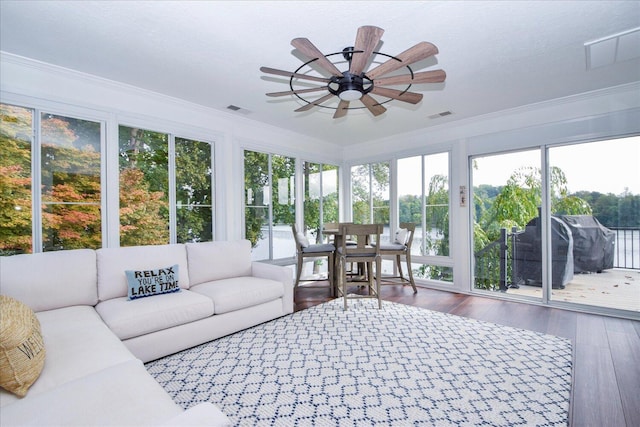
(507, 243)
(602, 183)
(561, 218)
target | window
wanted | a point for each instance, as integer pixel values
(16, 130)
(166, 184)
(144, 187)
(269, 181)
(147, 188)
(320, 196)
(67, 183)
(423, 198)
(194, 191)
(370, 194)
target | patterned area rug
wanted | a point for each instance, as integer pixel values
(398, 366)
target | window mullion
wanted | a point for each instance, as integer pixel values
(173, 233)
(270, 207)
(36, 184)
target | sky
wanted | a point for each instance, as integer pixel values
(605, 166)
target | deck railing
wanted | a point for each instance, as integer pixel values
(627, 253)
(494, 262)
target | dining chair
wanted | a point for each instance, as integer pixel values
(306, 250)
(329, 226)
(363, 251)
(401, 247)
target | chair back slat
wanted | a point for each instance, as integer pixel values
(363, 235)
(411, 228)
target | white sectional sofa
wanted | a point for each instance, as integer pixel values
(96, 339)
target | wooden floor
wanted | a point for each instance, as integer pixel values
(606, 377)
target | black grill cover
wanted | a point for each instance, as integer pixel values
(593, 243)
(527, 262)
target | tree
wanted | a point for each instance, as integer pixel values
(140, 218)
(15, 180)
(256, 179)
(518, 201)
(71, 194)
(144, 182)
(370, 186)
(193, 191)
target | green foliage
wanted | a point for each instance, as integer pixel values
(15, 180)
(370, 189)
(193, 191)
(614, 211)
(141, 221)
(256, 178)
(518, 201)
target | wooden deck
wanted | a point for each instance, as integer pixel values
(606, 377)
(615, 288)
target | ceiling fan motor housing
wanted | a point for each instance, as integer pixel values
(350, 87)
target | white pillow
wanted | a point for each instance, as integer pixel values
(304, 242)
(401, 236)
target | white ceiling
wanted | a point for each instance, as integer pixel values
(497, 54)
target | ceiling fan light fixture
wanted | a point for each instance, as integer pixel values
(350, 95)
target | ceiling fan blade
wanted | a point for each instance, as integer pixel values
(342, 109)
(373, 106)
(414, 54)
(309, 50)
(290, 74)
(367, 39)
(314, 103)
(435, 76)
(293, 92)
(410, 97)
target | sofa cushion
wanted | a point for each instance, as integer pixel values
(218, 260)
(120, 395)
(49, 280)
(240, 292)
(401, 236)
(132, 318)
(78, 343)
(113, 262)
(146, 283)
(22, 351)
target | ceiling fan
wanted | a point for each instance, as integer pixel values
(356, 83)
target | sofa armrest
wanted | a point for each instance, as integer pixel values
(203, 414)
(280, 274)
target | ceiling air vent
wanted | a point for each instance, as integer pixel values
(442, 114)
(238, 109)
(614, 48)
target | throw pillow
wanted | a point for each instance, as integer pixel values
(401, 236)
(304, 242)
(145, 283)
(22, 350)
